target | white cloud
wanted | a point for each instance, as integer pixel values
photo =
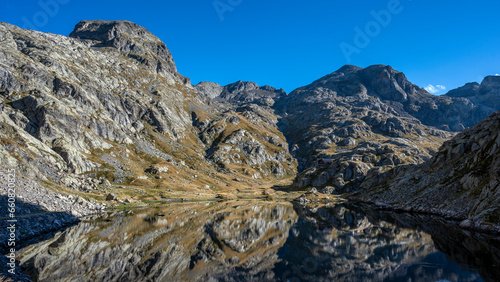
(496, 74)
(434, 89)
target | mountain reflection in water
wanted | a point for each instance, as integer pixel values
(262, 241)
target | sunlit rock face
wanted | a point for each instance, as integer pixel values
(252, 240)
(69, 98)
(104, 104)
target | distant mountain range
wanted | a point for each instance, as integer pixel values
(106, 108)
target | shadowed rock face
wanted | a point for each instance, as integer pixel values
(253, 241)
(462, 180)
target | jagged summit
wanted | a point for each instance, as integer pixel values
(241, 92)
(393, 88)
(485, 95)
(134, 40)
(469, 89)
(105, 30)
(349, 68)
(490, 83)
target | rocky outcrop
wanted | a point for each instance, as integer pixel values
(133, 40)
(245, 132)
(461, 181)
(211, 90)
(246, 139)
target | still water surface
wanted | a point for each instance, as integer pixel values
(250, 240)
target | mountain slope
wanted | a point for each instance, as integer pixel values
(361, 119)
(245, 127)
(462, 180)
(106, 108)
(364, 118)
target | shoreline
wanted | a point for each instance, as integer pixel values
(460, 220)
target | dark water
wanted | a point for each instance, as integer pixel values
(263, 241)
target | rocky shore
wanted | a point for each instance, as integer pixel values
(39, 213)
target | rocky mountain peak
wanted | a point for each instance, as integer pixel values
(490, 83)
(380, 80)
(241, 86)
(387, 83)
(241, 92)
(345, 72)
(348, 69)
(106, 31)
(486, 96)
(469, 89)
(209, 89)
(134, 40)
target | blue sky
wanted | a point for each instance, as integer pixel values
(290, 43)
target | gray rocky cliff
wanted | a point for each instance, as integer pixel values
(245, 132)
(461, 181)
(241, 92)
(135, 41)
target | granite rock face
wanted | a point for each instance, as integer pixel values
(130, 38)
